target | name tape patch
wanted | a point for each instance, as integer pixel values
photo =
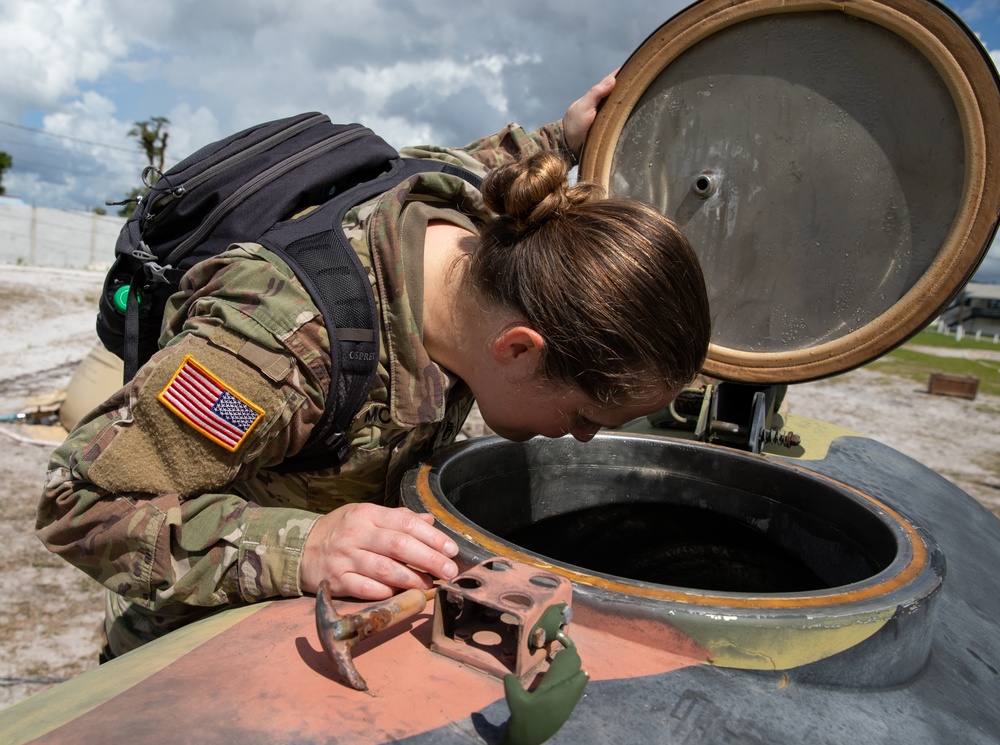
(210, 406)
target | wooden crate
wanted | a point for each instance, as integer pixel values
(945, 384)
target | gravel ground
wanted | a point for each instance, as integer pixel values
(51, 615)
(958, 438)
(49, 623)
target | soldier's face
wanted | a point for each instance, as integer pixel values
(519, 412)
(518, 404)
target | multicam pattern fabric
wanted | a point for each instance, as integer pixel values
(173, 523)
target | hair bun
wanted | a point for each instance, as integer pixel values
(526, 194)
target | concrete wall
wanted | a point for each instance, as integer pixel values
(41, 236)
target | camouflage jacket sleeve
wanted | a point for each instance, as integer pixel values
(142, 499)
(509, 145)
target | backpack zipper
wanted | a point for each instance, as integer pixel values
(238, 157)
(258, 182)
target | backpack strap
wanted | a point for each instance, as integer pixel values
(318, 251)
(143, 281)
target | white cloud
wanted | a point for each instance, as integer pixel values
(89, 117)
(50, 47)
(190, 129)
(368, 92)
(980, 10)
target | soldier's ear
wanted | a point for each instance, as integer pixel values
(518, 346)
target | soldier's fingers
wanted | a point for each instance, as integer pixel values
(402, 537)
(419, 526)
(377, 576)
(581, 113)
(352, 584)
(403, 548)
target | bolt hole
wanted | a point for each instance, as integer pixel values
(468, 583)
(544, 580)
(516, 598)
(704, 185)
(497, 566)
(487, 638)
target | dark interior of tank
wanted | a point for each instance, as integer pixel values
(680, 515)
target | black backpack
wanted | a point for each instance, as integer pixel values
(245, 188)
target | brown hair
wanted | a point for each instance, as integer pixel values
(611, 284)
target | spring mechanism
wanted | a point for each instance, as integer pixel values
(781, 438)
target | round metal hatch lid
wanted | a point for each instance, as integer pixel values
(828, 162)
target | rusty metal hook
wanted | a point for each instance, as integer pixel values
(338, 634)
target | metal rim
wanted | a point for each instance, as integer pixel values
(912, 563)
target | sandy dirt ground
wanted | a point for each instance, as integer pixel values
(50, 620)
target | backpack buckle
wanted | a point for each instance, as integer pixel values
(156, 273)
(142, 252)
(337, 442)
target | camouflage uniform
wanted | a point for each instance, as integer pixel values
(176, 519)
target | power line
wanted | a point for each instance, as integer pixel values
(66, 137)
(15, 146)
(27, 165)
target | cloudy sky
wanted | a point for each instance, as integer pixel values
(78, 73)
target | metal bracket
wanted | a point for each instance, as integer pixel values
(503, 617)
(486, 617)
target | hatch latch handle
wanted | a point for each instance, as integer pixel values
(538, 714)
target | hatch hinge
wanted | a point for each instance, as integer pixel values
(738, 415)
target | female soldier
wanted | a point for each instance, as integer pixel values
(558, 311)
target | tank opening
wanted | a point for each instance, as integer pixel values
(671, 514)
(670, 545)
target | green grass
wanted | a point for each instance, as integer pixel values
(909, 363)
(929, 338)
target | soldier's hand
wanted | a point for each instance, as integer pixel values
(369, 552)
(581, 113)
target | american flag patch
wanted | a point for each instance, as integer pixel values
(209, 405)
